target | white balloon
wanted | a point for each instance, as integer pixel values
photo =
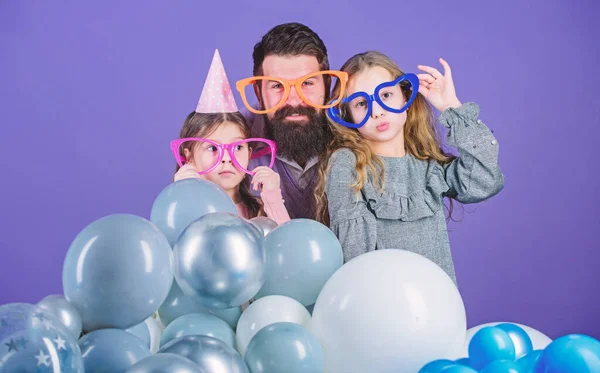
(388, 311)
(154, 327)
(266, 311)
(538, 339)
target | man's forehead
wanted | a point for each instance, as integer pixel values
(290, 67)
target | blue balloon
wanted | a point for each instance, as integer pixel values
(264, 224)
(503, 366)
(528, 362)
(310, 308)
(489, 344)
(178, 304)
(211, 354)
(64, 311)
(111, 350)
(284, 347)
(199, 324)
(520, 338)
(464, 361)
(302, 254)
(142, 332)
(436, 366)
(220, 260)
(34, 340)
(184, 201)
(458, 369)
(165, 363)
(569, 354)
(117, 272)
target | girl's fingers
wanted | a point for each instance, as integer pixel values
(257, 180)
(432, 71)
(447, 70)
(425, 78)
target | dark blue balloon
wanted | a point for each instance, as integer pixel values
(456, 368)
(436, 366)
(490, 344)
(464, 361)
(520, 338)
(503, 366)
(571, 353)
(529, 361)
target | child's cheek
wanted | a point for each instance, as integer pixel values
(214, 175)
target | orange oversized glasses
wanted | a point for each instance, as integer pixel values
(310, 88)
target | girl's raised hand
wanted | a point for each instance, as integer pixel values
(438, 89)
(187, 171)
(266, 177)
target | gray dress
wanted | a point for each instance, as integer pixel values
(409, 213)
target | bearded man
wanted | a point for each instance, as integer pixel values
(292, 83)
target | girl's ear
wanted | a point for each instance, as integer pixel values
(188, 156)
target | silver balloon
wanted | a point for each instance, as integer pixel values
(162, 363)
(220, 260)
(60, 307)
(211, 354)
(257, 230)
(265, 224)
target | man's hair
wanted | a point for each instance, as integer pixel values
(290, 39)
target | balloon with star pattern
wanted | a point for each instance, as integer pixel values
(34, 340)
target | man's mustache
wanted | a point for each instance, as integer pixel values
(288, 111)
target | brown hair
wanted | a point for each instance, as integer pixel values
(421, 138)
(290, 39)
(202, 125)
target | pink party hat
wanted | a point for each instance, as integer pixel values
(216, 95)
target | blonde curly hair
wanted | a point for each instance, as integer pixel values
(421, 137)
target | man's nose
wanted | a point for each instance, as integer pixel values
(294, 98)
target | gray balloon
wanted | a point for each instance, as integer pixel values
(60, 307)
(257, 230)
(211, 354)
(220, 260)
(178, 304)
(263, 223)
(165, 363)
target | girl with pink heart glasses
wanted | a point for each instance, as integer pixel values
(214, 144)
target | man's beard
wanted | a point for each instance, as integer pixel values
(298, 140)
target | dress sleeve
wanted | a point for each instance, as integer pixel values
(475, 174)
(274, 206)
